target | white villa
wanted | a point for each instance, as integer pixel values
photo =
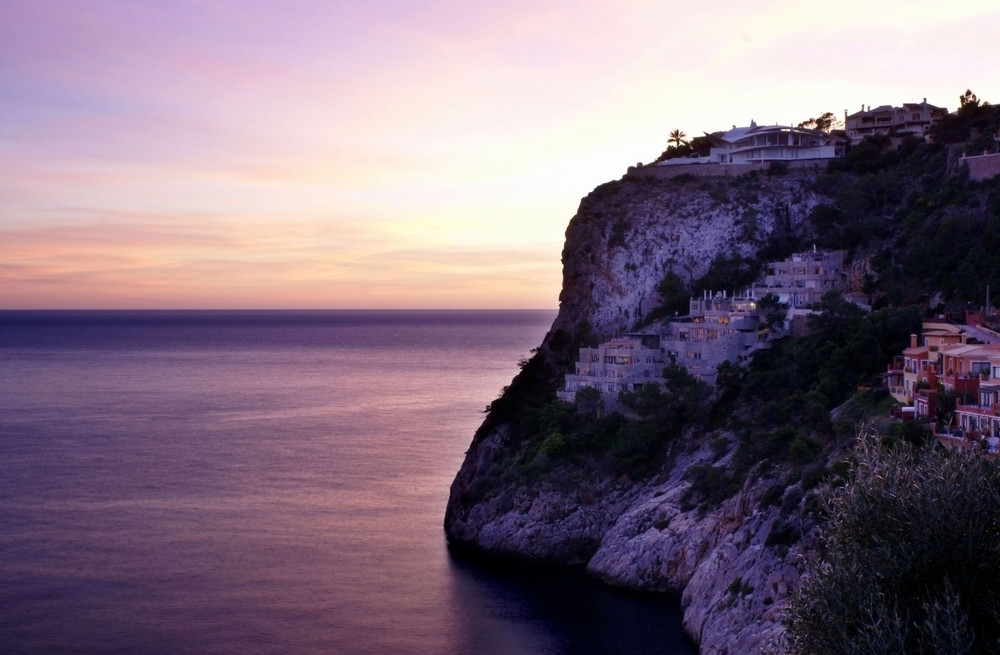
(764, 143)
(758, 144)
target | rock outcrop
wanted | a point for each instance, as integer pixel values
(732, 573)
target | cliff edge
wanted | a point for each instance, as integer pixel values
(638, 523)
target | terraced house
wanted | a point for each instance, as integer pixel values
(719, 327)
(942, 359)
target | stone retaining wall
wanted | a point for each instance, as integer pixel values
(982, 167)
(717, 170)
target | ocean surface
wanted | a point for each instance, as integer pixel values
(269, 482)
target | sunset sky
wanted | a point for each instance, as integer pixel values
(390, 153)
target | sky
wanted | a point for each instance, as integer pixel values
(396, 154)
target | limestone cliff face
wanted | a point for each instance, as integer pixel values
(628, 234)
(632, 532)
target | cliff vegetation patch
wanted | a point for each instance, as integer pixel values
(911, 564)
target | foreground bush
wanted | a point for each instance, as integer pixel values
(912, 559)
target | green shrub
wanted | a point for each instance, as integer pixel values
(635, 448)
(783, 534)
(772, 496)
(812, 475)
(911, 562)
(554, 445)
(719, 445)
(802, 450)
(710, 485)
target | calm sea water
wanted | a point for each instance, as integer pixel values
(261, 482)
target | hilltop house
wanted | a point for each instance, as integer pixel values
(911, 118)
(764, 143)
(757, 144)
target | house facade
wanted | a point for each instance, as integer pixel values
(919, 364)
(760, 144)
(625, 363)
(909, 119)
(719, 327)
(766, 143)
(942, 359)
(805, 277)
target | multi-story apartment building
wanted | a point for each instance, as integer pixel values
(919, 364)
(942, 359)
(719, 327)
(625, 363)
(805, 277)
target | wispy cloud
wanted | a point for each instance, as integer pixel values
(393, 153)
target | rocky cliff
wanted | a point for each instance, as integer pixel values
(731, 562)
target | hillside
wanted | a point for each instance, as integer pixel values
(716, 495)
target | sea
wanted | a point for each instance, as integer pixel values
(270, 482)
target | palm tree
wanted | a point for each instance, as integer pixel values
(677, 138)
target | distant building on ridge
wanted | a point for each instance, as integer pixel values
(911, 119)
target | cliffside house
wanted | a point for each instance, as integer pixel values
(942, 359)
(625, 363)
(910, 119)
(719, 327)
(764, 143)
(805, 277)
(756, 144)
(940, 355)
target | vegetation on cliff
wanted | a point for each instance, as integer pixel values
(655, 496)
(911, 563)
(911, 212)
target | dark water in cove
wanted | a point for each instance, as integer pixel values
(255, 482)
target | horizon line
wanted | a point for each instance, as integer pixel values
(279, 309)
